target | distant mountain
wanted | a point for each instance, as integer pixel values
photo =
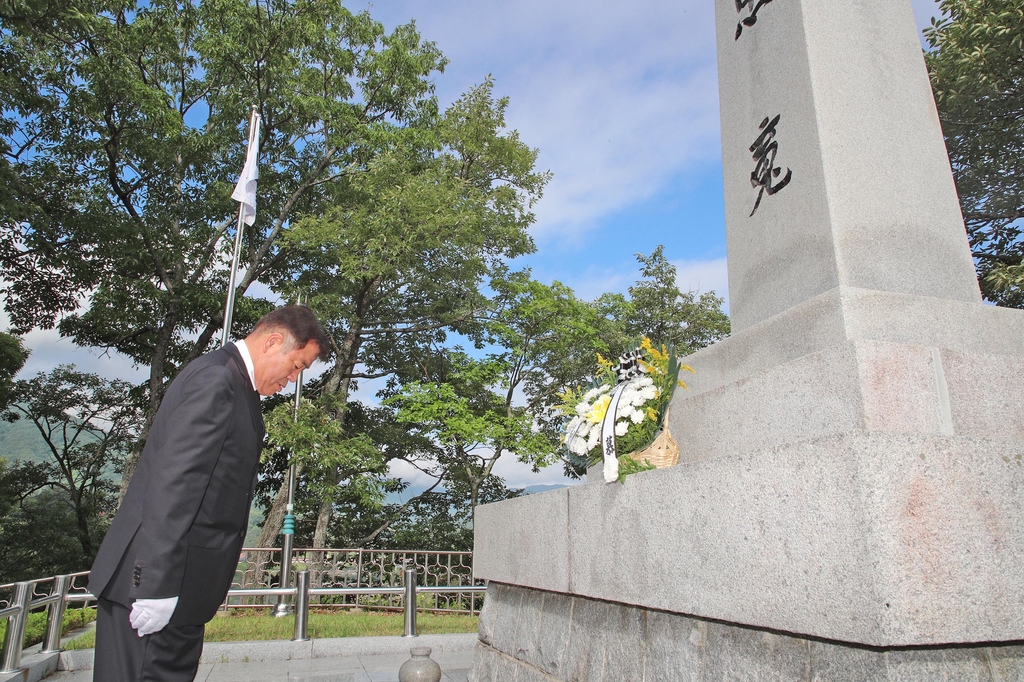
(414, 490)
(531, 489)
(21, 441)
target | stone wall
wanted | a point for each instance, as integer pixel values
(529, 635)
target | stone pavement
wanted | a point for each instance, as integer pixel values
(351, 659)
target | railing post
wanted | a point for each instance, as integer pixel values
(55, 614)
(15, 636)
(410, 600)
(301, 605)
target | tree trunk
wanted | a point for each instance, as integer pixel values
(83, 529)
(322, 519)
(474, 496)
(345, 366)
(157, 374)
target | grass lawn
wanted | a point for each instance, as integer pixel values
(240, 626)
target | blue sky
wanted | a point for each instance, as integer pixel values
(621, 98)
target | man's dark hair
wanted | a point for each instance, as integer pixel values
(300, 323)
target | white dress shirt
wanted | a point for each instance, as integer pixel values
(247, 359)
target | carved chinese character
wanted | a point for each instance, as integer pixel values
(764, 150)
(752, 6)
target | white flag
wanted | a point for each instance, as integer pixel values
(245, 190)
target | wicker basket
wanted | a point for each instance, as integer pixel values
(663, 450)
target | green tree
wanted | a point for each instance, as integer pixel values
(90, 425)
(666, 315)
(977, 74)
(398, 260)
(356, 453)
(443, 520)
(548, 339)
(537, 337)
(124, 130)
(468, 407)
(38, 532)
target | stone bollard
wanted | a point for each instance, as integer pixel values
(420, 668)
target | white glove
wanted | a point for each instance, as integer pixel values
(151, 615)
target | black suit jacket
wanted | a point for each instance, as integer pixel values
(181, 525)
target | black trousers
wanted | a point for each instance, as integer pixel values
(171, 655)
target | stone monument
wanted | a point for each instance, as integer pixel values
(850, 500)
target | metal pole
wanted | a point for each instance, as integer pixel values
(229, 305)
(301, 606)
(55, 614)
(410, 600)
(288, 527)
(15, 636)
(283, 608)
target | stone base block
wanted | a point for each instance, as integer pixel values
(877, 539)
(529, 635)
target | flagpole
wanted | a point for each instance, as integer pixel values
(229, 305)
(283, 608)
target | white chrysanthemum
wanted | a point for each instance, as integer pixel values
(621, 428)
(645, 381)
(593, 439)
(626, 407)
(636, 416)
(569, 428)
(593, 393)
(579, 446)
(649, 393)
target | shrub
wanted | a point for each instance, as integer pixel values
(35, 629)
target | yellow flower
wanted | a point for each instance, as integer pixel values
(682, 384)
(597, 412)
(657, 356)
(570, 398)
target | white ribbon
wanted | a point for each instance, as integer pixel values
(611, 459)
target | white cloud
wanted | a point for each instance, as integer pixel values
(617, 96)
(614, 140)
(49, 350)
(702, 276)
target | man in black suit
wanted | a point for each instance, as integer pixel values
(168, 558)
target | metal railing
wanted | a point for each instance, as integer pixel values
(362, 568)
(24, 598)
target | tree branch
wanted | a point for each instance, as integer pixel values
(1000, 258)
